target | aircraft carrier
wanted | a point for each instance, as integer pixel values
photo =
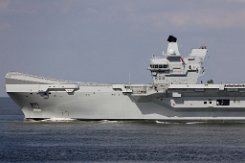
(173, 95)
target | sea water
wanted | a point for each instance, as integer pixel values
(119, 141)
(105, 141)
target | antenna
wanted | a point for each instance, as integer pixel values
(129, 78)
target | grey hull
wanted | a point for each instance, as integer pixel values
(111, 105)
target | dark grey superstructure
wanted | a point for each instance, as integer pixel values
(173, 95)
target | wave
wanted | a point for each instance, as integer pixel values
(166, 122)
(180, 122)
(109, 121)
(194, 123)
(58, 120)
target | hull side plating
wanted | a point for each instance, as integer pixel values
(118, 105)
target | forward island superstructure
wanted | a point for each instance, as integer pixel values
(173, 95)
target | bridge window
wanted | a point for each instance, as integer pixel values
(158, 66)
(174, 59)
(165, 71)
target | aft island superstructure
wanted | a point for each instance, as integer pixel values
(173, 95)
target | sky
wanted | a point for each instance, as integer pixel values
(106, 41)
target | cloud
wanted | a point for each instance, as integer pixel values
(4, 4)
(160, 15)
(236, 1)
(10, 7)
(68, 5)
(4, 25)
(31, 7)
(205, 18)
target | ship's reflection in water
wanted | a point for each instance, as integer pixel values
(125, 141)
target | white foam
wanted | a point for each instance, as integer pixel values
(193, 123)
(165, 122)
(109, 121)
(58, 120)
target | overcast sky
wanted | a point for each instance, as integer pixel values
(106, 40)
